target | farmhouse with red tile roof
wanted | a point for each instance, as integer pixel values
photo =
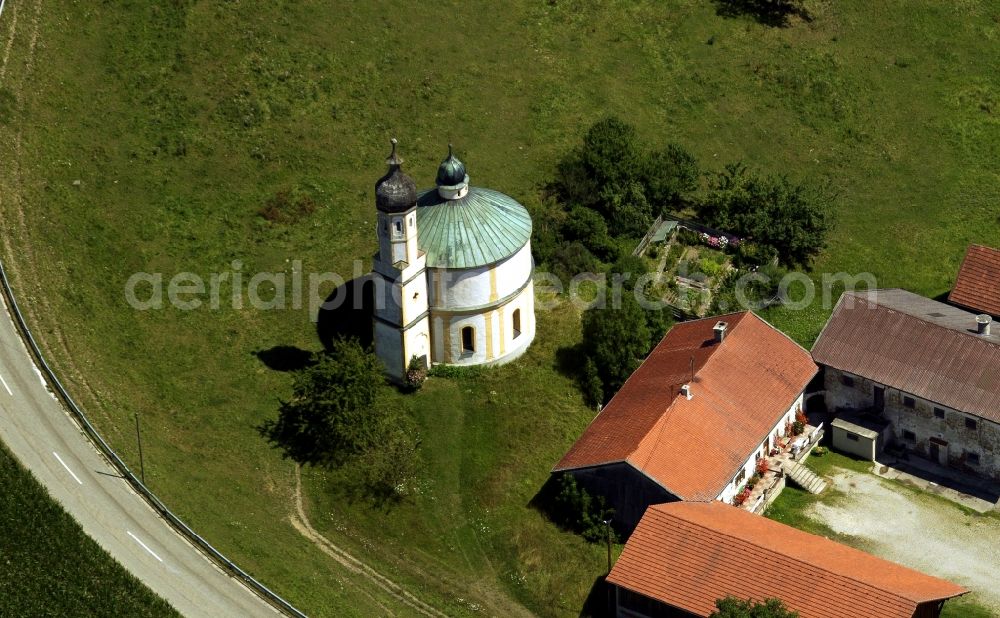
(977, 287)
(685, 555)
(690, 423)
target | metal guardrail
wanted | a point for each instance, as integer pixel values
(214, 554)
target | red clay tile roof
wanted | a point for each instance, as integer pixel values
(694, 448)
(978, 284)
(917, 345)
(688, 554)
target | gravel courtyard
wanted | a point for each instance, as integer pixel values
(918, 531)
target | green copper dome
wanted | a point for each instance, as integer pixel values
(451, 172)
(482, 227)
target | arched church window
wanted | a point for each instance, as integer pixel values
(468, 340)
(516, 319)
(399, 226)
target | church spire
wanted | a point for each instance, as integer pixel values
(395, 192)
(393, 159)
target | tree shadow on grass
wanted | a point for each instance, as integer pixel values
(774, 13)
(569, 361)
(348, 312)
(286, 358)
(375, 495)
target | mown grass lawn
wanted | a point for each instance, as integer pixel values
(50, 567)
(181, 119)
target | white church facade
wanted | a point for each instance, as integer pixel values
(453, 272)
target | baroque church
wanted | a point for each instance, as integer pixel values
(453, 273)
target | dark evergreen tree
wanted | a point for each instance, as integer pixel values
(616, 339)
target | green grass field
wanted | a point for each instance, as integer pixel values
(50, 567)
(181, 119)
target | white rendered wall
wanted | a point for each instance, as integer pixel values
(458, 289)
(495, 339)
(397, 244)
(750, 465)
(402, 328)
(388, 349)
(400, 303)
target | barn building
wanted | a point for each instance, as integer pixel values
(928, 369)
(453, 273)
(685, 555)
(690, 423)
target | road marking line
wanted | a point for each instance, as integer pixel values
(9, 392)
(75, 477)
(144, 546)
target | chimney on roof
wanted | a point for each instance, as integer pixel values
(983, 324)
(686, 391)
(720, 331)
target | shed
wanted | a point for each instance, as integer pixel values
(858, 436)
(664, 231)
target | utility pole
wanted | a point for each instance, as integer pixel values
(607, 525)
(142, 466)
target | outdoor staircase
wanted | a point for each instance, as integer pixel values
(804, 477)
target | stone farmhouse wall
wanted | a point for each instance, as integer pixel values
(961, 438)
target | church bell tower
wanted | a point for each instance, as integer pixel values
(401, 323)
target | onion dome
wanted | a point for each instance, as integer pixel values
(470, 228)
(395, 192)
(451, 173)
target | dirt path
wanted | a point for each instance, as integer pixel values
(919, 531)
(12, 15)
(18, 251)
(349, 562)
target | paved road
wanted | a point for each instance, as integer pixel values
(43, 436)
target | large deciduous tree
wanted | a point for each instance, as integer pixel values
(338, 415)
(613, 174)
(790, 219)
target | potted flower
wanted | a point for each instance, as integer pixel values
(742, 496)
(762, 466)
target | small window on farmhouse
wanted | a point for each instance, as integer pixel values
(909, 436)
(846, 380)
(972, 459)
(741, 476)
(516, 318)
(852, 437)
(970, 423)
(938, 413)
(468, 340)
(908, 401)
